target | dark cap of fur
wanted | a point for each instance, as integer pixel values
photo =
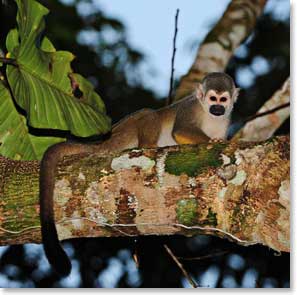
(219, 82)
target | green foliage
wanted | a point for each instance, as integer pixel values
(43, 84)
(17, 142)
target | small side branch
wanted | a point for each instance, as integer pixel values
(9, 61)
(258, 115)
(170, 97)
(269, 118)
(204, 256)
(187, 276)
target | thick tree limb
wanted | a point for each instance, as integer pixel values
(234, 190)
(263, 128)
(219, 45)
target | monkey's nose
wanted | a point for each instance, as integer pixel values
(217, 110)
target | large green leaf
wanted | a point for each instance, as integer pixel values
(15, 140)
(43, 83)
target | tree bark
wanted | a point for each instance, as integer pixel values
(235, 190)
(219, 45)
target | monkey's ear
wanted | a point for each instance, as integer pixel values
(199, 91)
(235, 94)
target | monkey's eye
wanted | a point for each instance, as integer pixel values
(223, 99)
(213, 98)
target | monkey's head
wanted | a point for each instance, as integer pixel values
(217, 94)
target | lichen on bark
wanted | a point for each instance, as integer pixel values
(240, 191)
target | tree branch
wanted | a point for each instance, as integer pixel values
(9, 61)
(170, 98)
(271, 111)
(235, 190)
(219, 45)
(264, 127)
(181, 267)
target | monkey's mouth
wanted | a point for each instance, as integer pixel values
(217, 110)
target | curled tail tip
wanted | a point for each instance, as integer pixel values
(63, 268)
(58, 260)
(54, 252)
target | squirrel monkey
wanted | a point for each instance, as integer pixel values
(195, 119)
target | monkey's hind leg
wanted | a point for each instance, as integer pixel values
(149, 130)
(48, 168)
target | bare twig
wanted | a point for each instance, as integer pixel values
(170, 98)
(136, 259)
(251, 118)
(9, 61)
(135, 254)
(188, 277)
(204, 256)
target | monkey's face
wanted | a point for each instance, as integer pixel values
(219, 103)
(217, 94)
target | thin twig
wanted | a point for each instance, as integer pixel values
(9, 61)
(170, 98)
(136, 259)
(204, 256)
(188, 277)
(135, 254)
(251, 118)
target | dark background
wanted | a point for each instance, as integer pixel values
(114, 69)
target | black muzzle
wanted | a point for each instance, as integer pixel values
(217, 110)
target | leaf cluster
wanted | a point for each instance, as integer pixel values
(39, 89)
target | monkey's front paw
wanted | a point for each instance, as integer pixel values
(216, 140)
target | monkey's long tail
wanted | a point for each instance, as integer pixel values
(52, 247)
